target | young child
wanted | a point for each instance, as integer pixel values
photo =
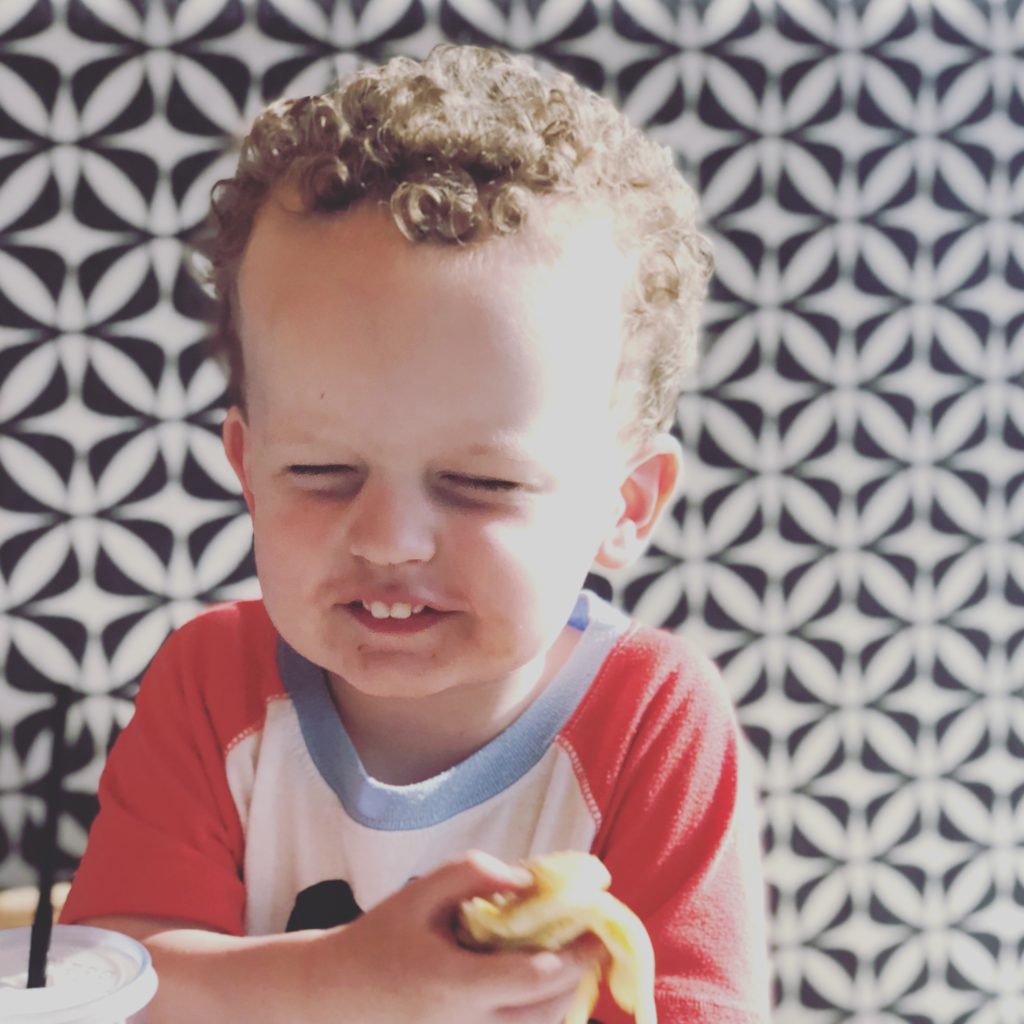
(457, 300)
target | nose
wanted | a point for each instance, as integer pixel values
(390, 525)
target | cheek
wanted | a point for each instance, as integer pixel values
(558, 533)
(532, 564)
(290, 535)
(517, 544)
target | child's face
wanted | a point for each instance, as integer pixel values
(425, 426)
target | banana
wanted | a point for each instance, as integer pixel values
(568, 899)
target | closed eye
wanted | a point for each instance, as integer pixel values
(313, 472)
(484, 483)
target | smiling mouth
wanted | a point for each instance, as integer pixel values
(407, 620)
(398, 610)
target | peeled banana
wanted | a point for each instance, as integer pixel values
(569, 898)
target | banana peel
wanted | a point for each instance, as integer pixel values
(569, 899)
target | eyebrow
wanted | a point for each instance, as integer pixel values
(505, 449)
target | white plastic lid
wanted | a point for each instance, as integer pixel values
(93, 976)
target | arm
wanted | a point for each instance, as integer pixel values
(397, 963)
(700, 888)
(664, 761)
(167, 842)
(208, 976)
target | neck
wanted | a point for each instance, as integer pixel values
(397, 748)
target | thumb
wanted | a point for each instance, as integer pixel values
(474, 874)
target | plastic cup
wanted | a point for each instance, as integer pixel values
(93, 976)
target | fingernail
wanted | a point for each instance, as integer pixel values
(513, 873)
(516, 874)
(520, 875)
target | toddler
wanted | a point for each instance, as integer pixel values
(457, 300)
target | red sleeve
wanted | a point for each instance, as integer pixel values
(658, 747)
(167, 841)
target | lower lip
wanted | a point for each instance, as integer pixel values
(414, 624)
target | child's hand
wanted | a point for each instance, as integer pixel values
(401, 961)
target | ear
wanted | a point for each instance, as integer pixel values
(651, 479)
(235, 435)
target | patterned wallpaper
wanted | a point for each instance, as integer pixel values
(849, 543)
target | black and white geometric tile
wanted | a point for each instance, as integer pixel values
(849, 545)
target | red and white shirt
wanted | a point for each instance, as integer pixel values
(235, 799)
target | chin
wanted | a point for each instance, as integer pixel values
(409, 687)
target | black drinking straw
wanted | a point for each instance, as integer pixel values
(42, 924)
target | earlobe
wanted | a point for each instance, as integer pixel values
(650, 483)
(235, 435)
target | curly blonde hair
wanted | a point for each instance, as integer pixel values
(461, 146)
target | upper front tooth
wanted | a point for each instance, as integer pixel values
(380, 610)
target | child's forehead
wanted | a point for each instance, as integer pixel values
(314, 286)
(565, 269)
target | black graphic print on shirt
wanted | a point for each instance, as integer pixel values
(324, 905)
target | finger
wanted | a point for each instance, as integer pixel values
(515, 978)
(548, 1011)
(475, 874)
(588, 949)
(492, 870)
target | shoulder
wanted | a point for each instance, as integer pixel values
(653, 674)
(659, 655)
(658, 704)
(220, 667)
(235, 636)
(227, 621)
